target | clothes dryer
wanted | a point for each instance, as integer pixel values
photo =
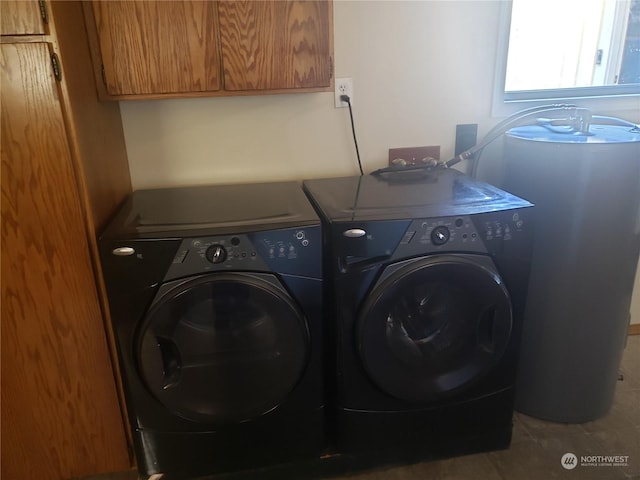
(426, 273)
(215, 299)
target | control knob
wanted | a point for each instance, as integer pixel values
(216, 253)
(440, 235)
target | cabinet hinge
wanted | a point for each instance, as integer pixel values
(55, 64)
(104, 75)
(330, 68)
(43, 11)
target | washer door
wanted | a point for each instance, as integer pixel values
(223, 347)
(434, 326)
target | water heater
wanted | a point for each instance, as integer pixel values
(586, 189)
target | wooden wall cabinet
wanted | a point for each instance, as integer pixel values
(64, 171)
(157, 49)
(23, 17)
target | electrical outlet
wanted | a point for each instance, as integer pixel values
(343, 86)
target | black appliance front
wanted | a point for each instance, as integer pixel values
(215, 298)
(427, 273)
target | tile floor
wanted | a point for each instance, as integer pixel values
(538, 446)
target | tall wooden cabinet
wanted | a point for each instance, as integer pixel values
(64, 171)
(159, 49)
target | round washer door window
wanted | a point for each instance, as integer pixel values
(223, 348)
(433, 327)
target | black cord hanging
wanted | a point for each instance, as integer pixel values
(345, 98)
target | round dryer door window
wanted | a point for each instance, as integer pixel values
(223, 348)
(434, 326)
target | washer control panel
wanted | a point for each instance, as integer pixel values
(293, 251)
(479, 233)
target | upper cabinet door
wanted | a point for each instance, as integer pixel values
(158, 47)
(21, 17)
(275, 45)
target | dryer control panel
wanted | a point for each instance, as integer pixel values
(296, 251)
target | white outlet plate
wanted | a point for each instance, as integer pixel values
(343, 86)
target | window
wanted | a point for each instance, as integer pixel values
(552, 50)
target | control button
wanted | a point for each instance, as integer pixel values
(354, 233)
(216, 253)
(235, 241)
(123, 251)
(489, 233)
(300, 235)
(459, 222)
(440, 235)
(305, 242)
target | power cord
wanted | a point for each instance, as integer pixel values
(345, 98)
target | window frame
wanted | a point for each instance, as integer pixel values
(608, 97)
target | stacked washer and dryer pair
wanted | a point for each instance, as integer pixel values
(239, 345)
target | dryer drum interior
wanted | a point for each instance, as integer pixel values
(434, 326)
(223, 347)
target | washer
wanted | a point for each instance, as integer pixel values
(427, 274)
(215, 297)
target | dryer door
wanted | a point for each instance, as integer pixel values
(225, 347)
(433, 326)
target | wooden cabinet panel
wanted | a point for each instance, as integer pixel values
(60, 416)
(179, 48)
(158, 47)
(275, 45)
(95, 127)
(21, 17)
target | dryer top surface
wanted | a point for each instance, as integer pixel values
(399, 195)
(211, 210)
